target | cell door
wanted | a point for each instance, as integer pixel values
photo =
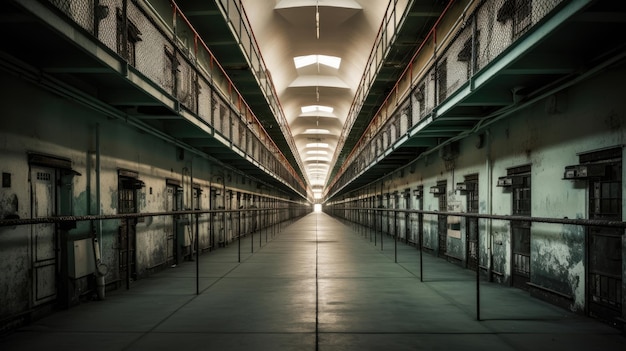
(44, 236)
(408, 234)
(471, 231)
(442, 220)
(520, 231)
(127, 203)
(168, 225)
(605, 245)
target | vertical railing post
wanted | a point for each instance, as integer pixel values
(197, 244)
(420, 233)
(395, 236)
(128, 220)
(381, 229)
(375, 227)
(477, 269)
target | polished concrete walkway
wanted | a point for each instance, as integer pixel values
(316, 285)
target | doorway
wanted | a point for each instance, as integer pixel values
(127, 238)
(44, 235)
(520, 230)
(442, 220)
(471, 230)
(604, 244)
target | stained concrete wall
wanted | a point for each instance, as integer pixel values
(36, 120)
(547, 135)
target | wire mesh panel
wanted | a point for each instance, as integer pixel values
(500, 22)
(187, 85)
(81, 12)
(204, 99)
(461, 63)
(487, 32)
(107, 23)
(166, 49)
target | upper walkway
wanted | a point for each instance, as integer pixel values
(315, 285)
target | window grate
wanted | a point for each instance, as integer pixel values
(44, 176)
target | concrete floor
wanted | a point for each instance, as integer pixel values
(315, 285)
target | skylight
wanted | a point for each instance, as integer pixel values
(316, 108)
(330, 61)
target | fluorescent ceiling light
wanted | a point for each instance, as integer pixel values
(330, 61)
(316, 108)
(317, 158)
(318, 152)
(316, 131)
(324, 145)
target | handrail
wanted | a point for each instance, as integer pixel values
(565, 220)
(358, 94)
(282, 122)
(431, 32)
(69, 219)
(271, 85)
(232, 86)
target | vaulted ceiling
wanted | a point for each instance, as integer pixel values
(335, 39)
(316, 53)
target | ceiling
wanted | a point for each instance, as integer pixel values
(287, 29)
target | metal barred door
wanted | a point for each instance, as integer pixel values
(472, 223)
(605, 246)
(442, 220)
(44, 251)
(127, 203)
(168, 224)
(520, 230)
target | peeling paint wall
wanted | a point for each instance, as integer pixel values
(49, 124)
(548, 135)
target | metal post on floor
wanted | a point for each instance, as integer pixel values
(395, 236)
(239, 240)
(251, 234)
(375, 229)
(197, 255)
(128, 254)
(477, 271)
(381, 230)
(369, 217)
(420, 232)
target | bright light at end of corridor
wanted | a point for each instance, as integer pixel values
(317, 208)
